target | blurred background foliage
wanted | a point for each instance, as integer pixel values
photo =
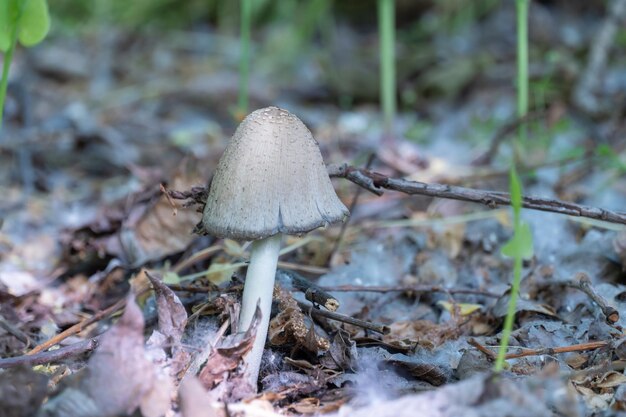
(338, 41)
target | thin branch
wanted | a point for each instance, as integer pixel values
(413, 288)
(375, 327)
(581, 282)
(376, 182)
(78, 327)
(51, 356)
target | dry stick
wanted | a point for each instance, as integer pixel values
(312, 292)
(375, 182)
(543, 351)
(565, 349)
(375, 327)
(582, 282)
(414, 288)
(50, 356)
(488, 353)
(19, 335)
(78, 327)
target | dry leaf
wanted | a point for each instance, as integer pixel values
(225, 358)
(119, 377)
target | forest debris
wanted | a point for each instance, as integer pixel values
(119, 377)
(312, 292)
(224, 360)
(619, 244)
(21, 392)
(172, 321)
(432, 373)
(375, 327)
(51, 356)
(195, 401)
(290, 327)
(499, 310)
(421, 332)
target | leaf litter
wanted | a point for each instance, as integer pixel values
(98, 215)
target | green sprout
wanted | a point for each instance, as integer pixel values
(520, 246)
(521, 7)
(386, 27)
(26, 21)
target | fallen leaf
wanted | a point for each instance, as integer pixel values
(119, 377)
(464, 309)
(225, 358)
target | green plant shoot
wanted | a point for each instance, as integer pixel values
(386, 27)
(521, 7)
(519, 247)
(26, 21)
(244, 59)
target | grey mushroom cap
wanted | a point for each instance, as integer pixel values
(271, 179)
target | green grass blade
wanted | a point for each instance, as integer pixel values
(244, 59)
(386, 27)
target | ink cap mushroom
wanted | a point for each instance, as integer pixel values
(271, 180)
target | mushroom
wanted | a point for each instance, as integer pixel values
(271, 180)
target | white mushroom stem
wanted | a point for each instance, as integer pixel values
(259, 288)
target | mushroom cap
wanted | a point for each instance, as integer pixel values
(271, 179)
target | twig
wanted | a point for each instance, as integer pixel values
(375, 327)
(542, 351)
(196, 257)
(312, 292)
(78, 327)
(310, 269)
(565, 349)
(375, 182)
(50, 356)
(19, 335)
(414, 288)
(582, 282)
(488, 353)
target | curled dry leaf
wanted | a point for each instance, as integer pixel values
(119, 377)
(225, 358)
(172, 321)
(289, 326)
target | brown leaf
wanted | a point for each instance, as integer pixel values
(226, 358)
(289, 326)
(119, 376)
(171, 312)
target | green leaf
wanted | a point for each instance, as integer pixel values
(521, 244)
(6, 25)
(35, 22)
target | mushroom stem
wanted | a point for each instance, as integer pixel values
(259, 288)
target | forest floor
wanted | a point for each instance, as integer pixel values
(100, 127)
